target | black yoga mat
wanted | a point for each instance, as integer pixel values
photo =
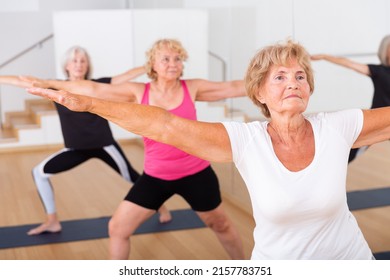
(86, 229)
(364, 199)
(382, 255)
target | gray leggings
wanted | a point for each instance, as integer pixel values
(67, 159)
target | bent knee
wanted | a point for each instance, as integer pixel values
(220, 224)
(116, 229)
(122, 228)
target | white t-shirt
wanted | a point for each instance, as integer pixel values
(304, 214)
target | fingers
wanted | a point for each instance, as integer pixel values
(61, 97)
(48, 93)
(28, 81)
(32, 81)
(72, 101)
(35, 91)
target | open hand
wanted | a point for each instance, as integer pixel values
(74, 102)
(31, 81)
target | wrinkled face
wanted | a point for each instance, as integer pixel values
(285, 90)
(77, 67)
(168, 64)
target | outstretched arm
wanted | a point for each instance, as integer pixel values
(128, 75)
(376, 127)
(213, 91)
(345, 62)
(124, 92)
(209, 141)
(13, 81)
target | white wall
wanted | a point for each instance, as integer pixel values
(346, 28)
(22, 26)
(35, 62)
(106, 34)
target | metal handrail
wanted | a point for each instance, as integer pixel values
(224, 74)
(37, 44)
(223, 64)
(15, 57)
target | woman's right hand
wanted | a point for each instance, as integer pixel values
(31, 81)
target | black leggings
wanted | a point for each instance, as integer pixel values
(111, 155)
(67, 159)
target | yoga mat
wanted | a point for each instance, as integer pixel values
(382, 255)
(364, 199)
(87, 229)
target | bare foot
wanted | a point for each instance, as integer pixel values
(45, 227)
(165, 215)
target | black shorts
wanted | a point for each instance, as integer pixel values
(200, 190)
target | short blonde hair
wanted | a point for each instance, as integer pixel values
(70, 54)
(171, 44)
(278, 54)
(383, 50)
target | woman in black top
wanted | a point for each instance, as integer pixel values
(379, 74)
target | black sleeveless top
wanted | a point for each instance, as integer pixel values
(380, 76)
(83, 130)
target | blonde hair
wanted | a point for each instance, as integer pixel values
(279, 54)
(383, 50)
(171, 44)
(70, 54)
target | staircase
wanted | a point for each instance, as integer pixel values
(30, 118)
(14, 131)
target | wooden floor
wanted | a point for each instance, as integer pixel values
(371, 170)
(94, 190)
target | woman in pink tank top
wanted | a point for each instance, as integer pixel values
(167, 162)
(167, 170)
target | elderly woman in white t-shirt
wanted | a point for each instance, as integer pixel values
(293, 164)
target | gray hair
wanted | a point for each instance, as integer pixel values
(70, 54)
(383, 50)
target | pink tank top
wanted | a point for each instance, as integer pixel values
(167, 162)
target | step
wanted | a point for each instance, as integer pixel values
(28, 119)
(40, 106)
(18, 120)
(8, 135)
